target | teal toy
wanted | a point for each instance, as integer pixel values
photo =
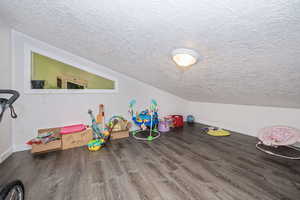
(96, 130)
(99, 137)
(147, 120)
(190, 119)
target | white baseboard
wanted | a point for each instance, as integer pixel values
(21, 148)
(6, 154)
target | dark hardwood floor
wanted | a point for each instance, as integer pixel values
(183, 164)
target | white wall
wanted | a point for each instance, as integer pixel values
(241, 118)
(52, 110)
(5, 83)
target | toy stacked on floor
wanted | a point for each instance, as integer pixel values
(75, 136)
(175, 121)
(100, 135)
(67, 137)
(147, 120)
(60, 138)
(163, 126)
(118, 127)
(178, 121)
(169, 120)
(44, 138)
(46, 141)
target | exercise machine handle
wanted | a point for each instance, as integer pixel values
(13, 98)
(7, 103)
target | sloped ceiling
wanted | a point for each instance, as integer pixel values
(250, 49)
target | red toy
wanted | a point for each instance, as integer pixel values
(177, 120)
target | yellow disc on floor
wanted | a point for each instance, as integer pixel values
(218, 132)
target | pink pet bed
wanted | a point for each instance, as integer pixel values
(276, 140)
(279, 135)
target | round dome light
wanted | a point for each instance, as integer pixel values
(184, 57)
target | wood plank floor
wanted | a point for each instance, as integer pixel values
(183, 164)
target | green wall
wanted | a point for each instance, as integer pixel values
(45, 68)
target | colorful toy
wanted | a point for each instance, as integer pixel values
(190, 119)
(176, 121)
(169, 120)
(43, 138)
(146, 120)
(118, 123)
(100, 137)
(95, 145)
(96, 130)
(106, 133)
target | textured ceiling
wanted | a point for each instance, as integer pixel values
(250, 49)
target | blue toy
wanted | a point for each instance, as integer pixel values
(190, 119)
(146, 119)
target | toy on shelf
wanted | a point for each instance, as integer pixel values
(44, 138)
(118, 127)
(190, 119)
(47, 140)
(147, 120)
(99, 137)
(118, 123)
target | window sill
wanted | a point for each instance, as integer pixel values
(68, 91)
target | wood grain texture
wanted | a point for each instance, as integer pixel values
(182, 164)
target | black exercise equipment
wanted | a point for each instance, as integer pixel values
(15, 189)
(8, 103)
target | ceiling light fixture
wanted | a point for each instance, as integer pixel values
(184, 57)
